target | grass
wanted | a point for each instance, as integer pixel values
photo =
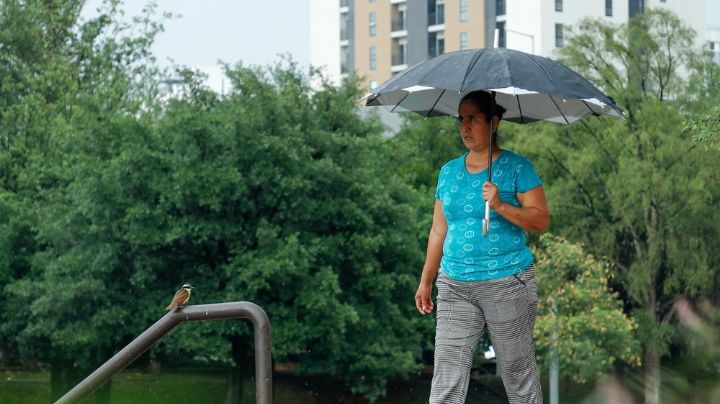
(209, 386)
(127, 387)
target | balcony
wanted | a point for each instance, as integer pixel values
(399, 59)
(399, 63)
(398, 24)
(437, 17)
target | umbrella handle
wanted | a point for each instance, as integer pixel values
(486, 221)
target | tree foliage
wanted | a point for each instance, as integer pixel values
(113, 195)
(638, 191)
(579, 317)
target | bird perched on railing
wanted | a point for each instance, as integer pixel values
(181, 297)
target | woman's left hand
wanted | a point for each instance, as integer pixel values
(491, 194)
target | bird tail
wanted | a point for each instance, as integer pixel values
(171, 306)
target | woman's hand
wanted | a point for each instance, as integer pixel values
(423, 302)
(491, 194)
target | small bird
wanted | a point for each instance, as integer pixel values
(181, 297)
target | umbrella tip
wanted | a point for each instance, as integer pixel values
(366, 99)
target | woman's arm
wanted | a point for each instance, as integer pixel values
(438, 231)
(533, 213)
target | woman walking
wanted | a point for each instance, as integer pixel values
(483, 282)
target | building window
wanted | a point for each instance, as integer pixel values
(500, 25)
(399, 18)
(608, 8)
(499, 7)
(463, 10)
(344, 59)
(712, 45)
(559, 42)
(373, 58)
(636, 7)
(558, 5)
(343, 3)
(463, 40)
(436, 12)
(400, 52)
(344, 27)
(373, 24)
(436, 43)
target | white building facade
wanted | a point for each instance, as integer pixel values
(541, 26)
(325, 37)
(712, 39)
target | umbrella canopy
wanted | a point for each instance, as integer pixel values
(530, 87)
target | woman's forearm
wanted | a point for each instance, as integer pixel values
(432, 258)
(528, 218)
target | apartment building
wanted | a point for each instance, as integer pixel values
(541, 26)
(379, 38)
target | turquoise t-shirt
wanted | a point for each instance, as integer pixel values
(467, 254)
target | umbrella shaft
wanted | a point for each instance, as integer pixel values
(490, 143)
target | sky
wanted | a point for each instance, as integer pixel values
(254, 32)
(712, 14)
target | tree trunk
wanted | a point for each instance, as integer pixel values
(652, 357)
(652, 375)
(243, 369)
(234, 386)
(56, 380)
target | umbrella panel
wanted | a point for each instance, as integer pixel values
(524, 107)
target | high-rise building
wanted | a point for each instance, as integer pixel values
(541, 26)
(379, 38)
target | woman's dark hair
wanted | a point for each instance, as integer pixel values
(483, 102)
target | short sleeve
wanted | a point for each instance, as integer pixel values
(526, 177)
(439, 183)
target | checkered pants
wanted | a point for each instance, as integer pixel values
(508, 307)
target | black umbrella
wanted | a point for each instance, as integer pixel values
(530, 87)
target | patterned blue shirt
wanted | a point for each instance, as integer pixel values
(467, 254)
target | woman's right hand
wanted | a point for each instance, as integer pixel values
(423, 302)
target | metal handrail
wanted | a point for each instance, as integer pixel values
(218, 311)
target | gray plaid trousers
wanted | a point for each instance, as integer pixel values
(508, 307)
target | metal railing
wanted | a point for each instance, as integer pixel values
(218, 311)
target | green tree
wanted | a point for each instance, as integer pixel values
(68, 87)
(705, 127)
(639, 191)
(578, 316)
(277, 193)
(280, 195)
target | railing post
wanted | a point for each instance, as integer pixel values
(218, 311)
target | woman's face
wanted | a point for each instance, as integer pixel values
(474, 127)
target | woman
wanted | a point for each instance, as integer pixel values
(483, 281)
